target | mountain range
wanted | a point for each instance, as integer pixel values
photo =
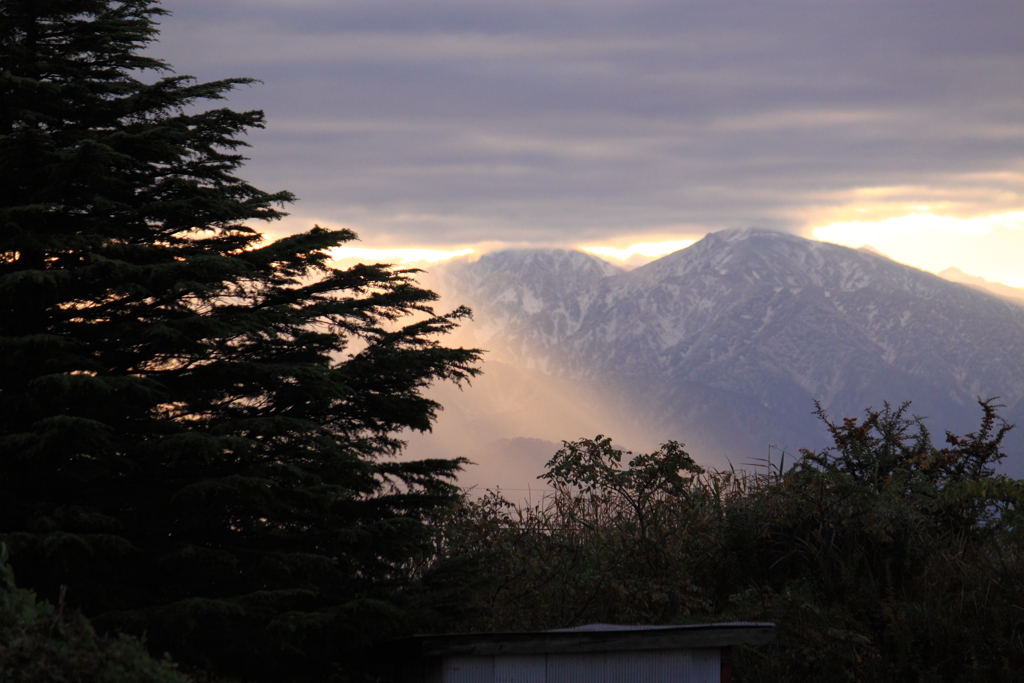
(727, 345)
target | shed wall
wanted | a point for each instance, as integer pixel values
(643, 666)
(576, 668)
(520, 669)
(467, 669)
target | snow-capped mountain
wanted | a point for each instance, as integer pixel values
(726, 345)
(526, 301)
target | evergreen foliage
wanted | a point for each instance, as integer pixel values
(882, 558)
(196, 426)
(41, 644)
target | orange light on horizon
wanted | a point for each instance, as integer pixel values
(399, 256)
(651, 250)
(990, 246)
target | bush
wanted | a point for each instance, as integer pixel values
(882, 558)
(42, 643)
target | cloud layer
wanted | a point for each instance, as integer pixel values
(447, 123)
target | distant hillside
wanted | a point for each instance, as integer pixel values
(726, 345)
(1015, 294)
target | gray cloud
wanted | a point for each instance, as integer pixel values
(458, 122)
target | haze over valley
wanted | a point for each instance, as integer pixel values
(627, 132)
(250, 431)
(724, 346)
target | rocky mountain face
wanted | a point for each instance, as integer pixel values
(726, 345)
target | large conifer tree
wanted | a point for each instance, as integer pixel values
(195, 426)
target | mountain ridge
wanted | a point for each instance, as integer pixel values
(729, 342)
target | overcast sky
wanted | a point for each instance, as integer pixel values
(451, 124)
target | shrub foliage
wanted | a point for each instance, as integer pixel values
(882, 558)
(40, 643)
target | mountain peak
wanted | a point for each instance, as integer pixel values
(1014, 294)
(741, 234)
(544, 259)
(730, 341)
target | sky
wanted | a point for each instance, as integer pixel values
(453, 127)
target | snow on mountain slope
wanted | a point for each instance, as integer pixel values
(728, 343)
(527, 300)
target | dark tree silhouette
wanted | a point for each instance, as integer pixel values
(196, 426)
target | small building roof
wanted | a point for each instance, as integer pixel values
(589, 638)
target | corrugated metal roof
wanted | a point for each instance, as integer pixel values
(591, 638)
(620, 627)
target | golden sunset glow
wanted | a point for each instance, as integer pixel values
(990, 246)
(397, 256)
(649, 250)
